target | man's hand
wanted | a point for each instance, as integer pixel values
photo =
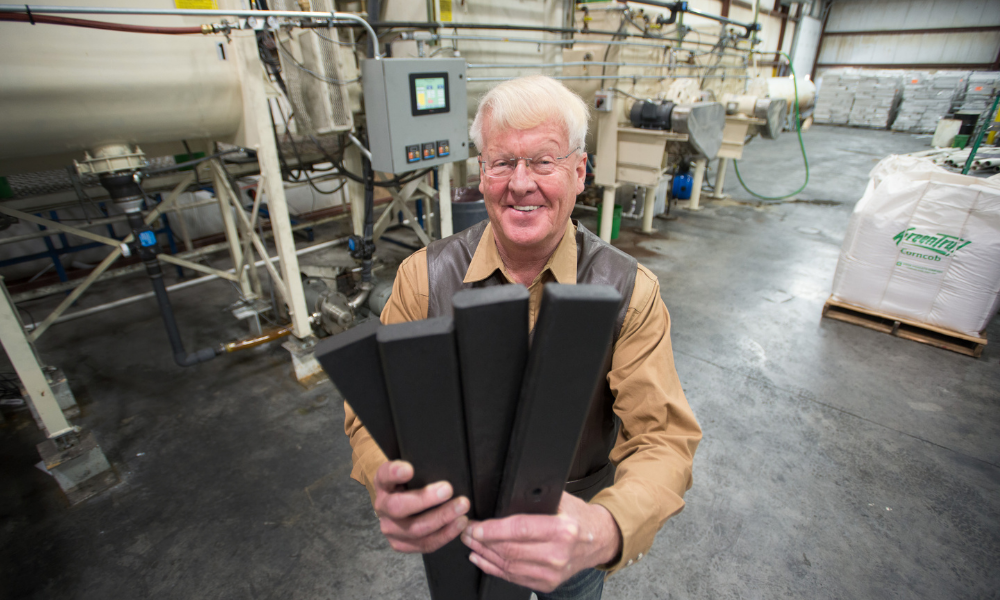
(539, 551)
(416, 520)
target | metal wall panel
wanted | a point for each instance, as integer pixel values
(972, 48)
(959, 48)
(864, 15)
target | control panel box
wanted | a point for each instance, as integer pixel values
(416, 111)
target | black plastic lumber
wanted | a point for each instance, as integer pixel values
(491, 328)
(352, 361)
(420, 362)
(571, 340)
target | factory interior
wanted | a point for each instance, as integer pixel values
(197, 197)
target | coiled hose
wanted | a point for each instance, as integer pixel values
(798, 130)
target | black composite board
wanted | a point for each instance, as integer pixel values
(572, 338)
(420, 362)
(352, 361)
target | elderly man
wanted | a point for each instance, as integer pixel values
(634, 461)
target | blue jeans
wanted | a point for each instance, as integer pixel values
(588, 584)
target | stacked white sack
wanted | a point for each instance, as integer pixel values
(876, 98)
(924, 246)
(836, 97)
(927, 98)
(980, 90)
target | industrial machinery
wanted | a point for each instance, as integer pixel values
(746, 116)
(185, 123)
(769, 113)
(664, 136)
(116, 136)
(699, 121)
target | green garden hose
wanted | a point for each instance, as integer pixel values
(798, 130)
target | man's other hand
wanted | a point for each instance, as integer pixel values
(416, 520)
(541, 551)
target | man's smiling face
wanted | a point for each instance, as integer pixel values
(529, 211)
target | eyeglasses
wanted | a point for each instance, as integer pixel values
(503, 168)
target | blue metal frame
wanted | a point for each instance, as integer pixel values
(54, 253)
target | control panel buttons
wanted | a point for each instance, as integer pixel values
(413, 153)
(428, 151)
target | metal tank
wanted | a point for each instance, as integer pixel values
(784, 87)
(68, 89)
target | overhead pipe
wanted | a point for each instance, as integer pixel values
(486, 38)
(598, 64)
(606, 77)
(748, 27)
(433, 25)
(87, 24)
(673, 7)
(30, 10)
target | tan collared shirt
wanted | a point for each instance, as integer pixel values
(659, 433)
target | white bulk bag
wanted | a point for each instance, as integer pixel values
(924, 246)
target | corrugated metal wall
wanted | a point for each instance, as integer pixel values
(899, 34)
(863, 15)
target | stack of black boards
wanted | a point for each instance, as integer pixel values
(479, 401)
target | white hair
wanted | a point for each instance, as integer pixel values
(527, 102)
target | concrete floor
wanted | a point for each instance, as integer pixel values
(838, 462)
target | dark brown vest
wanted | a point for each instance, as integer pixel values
(597, 262)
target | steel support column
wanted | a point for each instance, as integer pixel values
(699, 178)
(399, 200)
(355, 190)
(647, 209)
(221, 184)
(257, 134)
(444, 199)
(25, 362)
(720, 180)
(607, 162)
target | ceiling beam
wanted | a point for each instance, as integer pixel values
(990, 28)
(915, 66)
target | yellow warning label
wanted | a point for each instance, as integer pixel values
(445, 10)
(196, 4)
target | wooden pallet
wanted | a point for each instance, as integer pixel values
(905, 328)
